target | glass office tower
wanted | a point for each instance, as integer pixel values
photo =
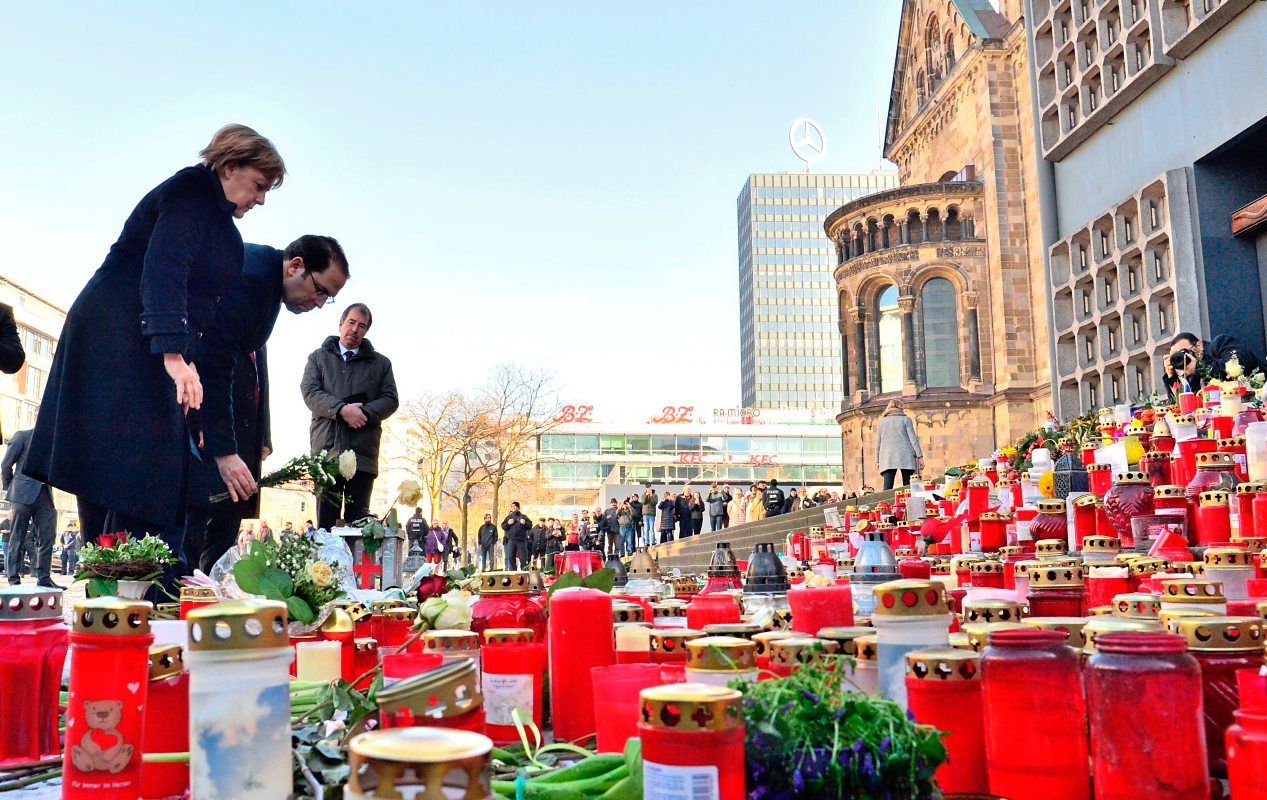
(789, 345)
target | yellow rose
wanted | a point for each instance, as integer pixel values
(1232, 368)
(319, 573)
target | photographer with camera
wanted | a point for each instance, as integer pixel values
(1191, 361)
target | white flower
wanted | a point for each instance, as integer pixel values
(447, 612)
(347, 465)
(320, 573)
(1232, 368)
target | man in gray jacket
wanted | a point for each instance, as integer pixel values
(350, 389)
(34, 517)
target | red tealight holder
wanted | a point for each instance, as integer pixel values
(582, 562)
(1100, 478)
(398, 666)
(192, 597)
(821, 607)
(1101, 591)
(33, 638)
(364, 659)
(1246, 753)
(166, 723)
(709, 609)
(616, 701)
(581, 638)
(1158, 466)
(1185, 466)
(505, 601)
(993, 531)
(1188, 402)
(697, 731)
(398, 626)
(943, 689)
(512, 678)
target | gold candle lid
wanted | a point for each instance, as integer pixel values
(365, 643)
(944, 664)
(691, 707)
(1192, 591)
(1216, 497)
(112, 616)
(1231, 441)
(1097, 467)
(1193, 568)
(401, 613)
(865, 648)
(29, 602)
(1023, 567)
(986, 611)
(1254, 544)
(1215, 459)
(628, 612)
(762, 640)
(166, 660)
(1243, 634)
(846, 636)
(508, 635)
(1130, 479)
(198, 594)
(1168, 617)
(959, 640)
(413, 762)
(1143, 605)
(379, 606)
(1011, 550)
(910, 597)
(1148, 565)
(782, 619)
(1249, 487)
(986, 567)
(1051, 506)
(506, 582)
(978, 483)
(1101, 544)
(668, 609)
(1053, 577)
(672, 640)
(844, 564)
(979, 633)
(359, 612)
(441, 693)
(1086, 501)
(744, 630)
(802, 650)
(1126, 558)
(988, 516)
(339, 621)
(1070, 626)
(238, 624)
(1228, 557)
(448, 642)
(1051, 547)
(1111, 624)
(1100, 611)
(1169, 490)
(721, 653)
(1262, 609)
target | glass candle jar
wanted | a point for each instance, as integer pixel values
(1214, 524)
(1034, 717)
(447, 696)
(1235, 447)
(1203, 595)
(668, 646)
(1147, 734)
(419, 763)
(986, 574)
(909, 615)
(977, 494)
(398, 627)
(1083, 519)
(166, 727)
(943, 689)
(1103, 525)
(1215, 471)
(238, 662)
(511, 678)
(1245, 494)
(692, 736)
(33, 639)
(1070, 627)
(911, 566)
(1057, 592)
(192, 597)
(1099, 478)
(1158, 467)
(820, 607)
(633, 642)
(788, 655)
(1131, 495)
(1048, 549)
(1246, 753)
(105, 706)
(718, 660)
(505, 601)
(1231, 566)
(707, 609)
(1100, 550)
(1222, 646)
(1009, 556)
(1106, 582)
(364, 658)
(1051, 522)
(581, 638)
(985, 611)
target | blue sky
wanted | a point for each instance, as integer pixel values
(551, 183)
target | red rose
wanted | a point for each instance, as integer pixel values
(107, 540)
(432, 586)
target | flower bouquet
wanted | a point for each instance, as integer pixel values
(118, 564)
(290, 571)
(319, 471)
(375, 529)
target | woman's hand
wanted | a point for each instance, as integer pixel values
(920, 463)
(185, 376)
(236, 476)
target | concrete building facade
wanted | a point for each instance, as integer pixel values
(941, 296)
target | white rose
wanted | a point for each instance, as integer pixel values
(319, 573)
(447, 612)
(347, 465)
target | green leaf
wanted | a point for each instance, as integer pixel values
(299, 610)
(248, 571)
(565, 581)
(102, 587)
(390, 522)
(275, 584)
(603, 580)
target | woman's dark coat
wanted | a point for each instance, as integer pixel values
(110, 430)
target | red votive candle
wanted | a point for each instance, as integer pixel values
(192, 597)
(105, 707)
(821, 607)
(364, 658)
(581, 638)
(398, 666)
(1222, 646)
(912, 566)
(668, 645)
(943, 689)
(1147, 731)
(1102, 590)
(1214, 524)
(692, 735)
(340, 628)
(166, 728)
(505, 601)
(1035, 719)
(1246, 754)
(977, 493)
(710, 609)
(1158, 466)
(993, 531)
(1099, 478)
(986, 574)
(1009, 557)
(618, 701)
(1057, 592)
(1083, 519)
(511, 678)
(398, 626)
(33, 639)
(1245, 495)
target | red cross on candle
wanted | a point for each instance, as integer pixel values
(367, 569)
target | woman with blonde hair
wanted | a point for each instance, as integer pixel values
(112, 427)
(897, 448)
(756, 506)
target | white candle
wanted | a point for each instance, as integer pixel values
(633, 639)
(317, 661)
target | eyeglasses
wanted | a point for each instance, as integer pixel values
(322, 292)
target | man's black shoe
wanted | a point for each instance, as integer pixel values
(46, 583)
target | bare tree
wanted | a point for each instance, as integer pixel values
(519, 403)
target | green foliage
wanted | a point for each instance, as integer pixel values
(287, 570)
(325, 716)
(602, 580)
(118, 557)
(810, 736)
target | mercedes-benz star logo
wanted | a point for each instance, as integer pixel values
(807, 141)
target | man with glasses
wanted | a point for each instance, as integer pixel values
(350, 389)
(231, 359)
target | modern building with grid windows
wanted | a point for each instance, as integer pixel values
(789, 345)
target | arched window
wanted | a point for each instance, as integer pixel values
(932, 53)
(950, 51)
(921, 90)
(941, 333)
(891, 367)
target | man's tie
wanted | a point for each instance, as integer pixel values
(347, 356)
